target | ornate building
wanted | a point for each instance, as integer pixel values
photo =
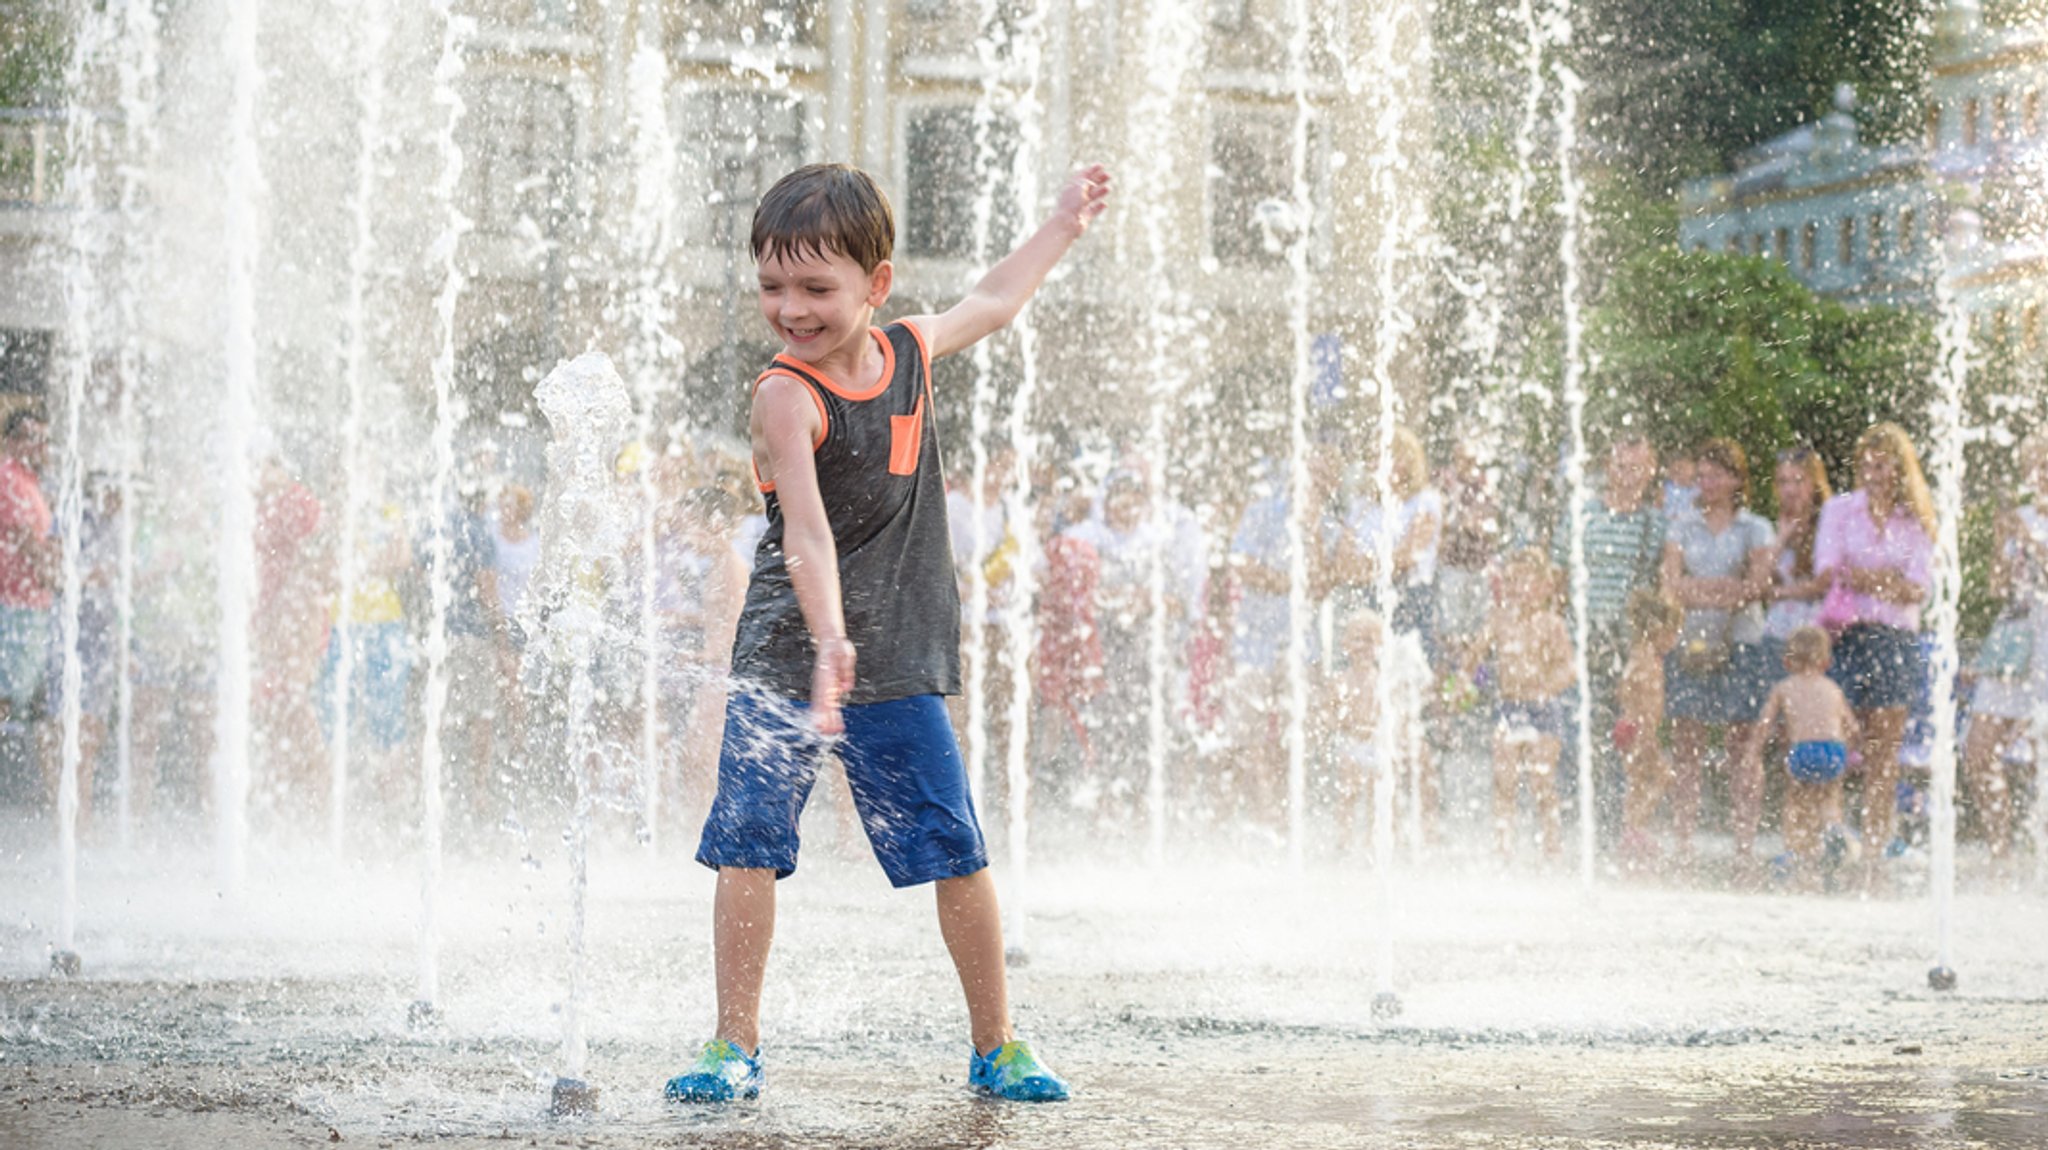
(1878, 224)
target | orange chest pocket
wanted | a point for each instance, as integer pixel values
(906, 440)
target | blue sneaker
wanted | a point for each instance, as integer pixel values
(1011, 1071)
(720, 1074)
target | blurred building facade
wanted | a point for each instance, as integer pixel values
(1881, 223)
(1196, 102)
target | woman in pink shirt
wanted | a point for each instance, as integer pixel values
(1875, 546)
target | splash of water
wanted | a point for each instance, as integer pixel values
(1949, 432)
(1300, 286)
(1173, 51)
(81, 299)
(138, 67)
(440, 552)
(1569, 206)
(655, 354)
(1020, 508)
(584, 526)
(355, 356)
(981, 416)
(236, 539)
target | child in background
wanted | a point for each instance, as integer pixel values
(1653, 623)
(1355, 718)
(1531, 651)
(1819, 726)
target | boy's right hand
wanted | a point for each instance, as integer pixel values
(831, 679)
(1085, 196)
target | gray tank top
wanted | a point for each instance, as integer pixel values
(885, 498)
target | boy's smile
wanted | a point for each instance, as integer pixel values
(820, 305)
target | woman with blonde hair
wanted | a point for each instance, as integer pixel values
(2010, 671)
(1875, 546)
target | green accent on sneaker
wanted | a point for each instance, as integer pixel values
(721, 1073)
(1013, 1072)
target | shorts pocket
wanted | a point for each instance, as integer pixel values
(906, 440)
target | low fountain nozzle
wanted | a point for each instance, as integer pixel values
(572, 1096)
(66, 964)
(1941, 978)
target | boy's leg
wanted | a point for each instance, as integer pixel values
(972, 926)
(742, 927)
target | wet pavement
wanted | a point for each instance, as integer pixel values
(1211, 1005)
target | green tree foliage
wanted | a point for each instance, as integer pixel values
(1677, 90)
(32, 47)
(1699, 344)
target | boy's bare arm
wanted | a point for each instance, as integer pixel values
(786, 423)
(1774, 707)
(1006, 287)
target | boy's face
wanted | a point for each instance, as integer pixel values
(820, 305)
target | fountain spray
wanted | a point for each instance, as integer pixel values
(1173, 49)
(583, 529)
(455, 29)
(1571, 192)
(980, 419)
(355, 356)
(81, 307)
(656, 353)
(1949, 433)
(1397, 694)
(138, 77)
(1299, 539)
(1020, 508)
(236, 587)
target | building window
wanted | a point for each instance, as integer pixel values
(1756, 243)
(1998, 118)
(519, 137)
(1251, 186)
(946, 177)
(2030, 327)
(1874, 233)
(2001, 325)
(1808, 237)
(1845, 247)
(1972, 109)
(1781, 245)
(1933, 125)
(1906, 236)
(2030, 114)
(736, 142)
(744, 21)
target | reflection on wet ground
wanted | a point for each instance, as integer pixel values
(1225, 1008)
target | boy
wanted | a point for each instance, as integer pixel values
(856, 559)
(1819, 725)
(1653, 623)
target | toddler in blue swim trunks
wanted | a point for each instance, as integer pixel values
(1818, 726)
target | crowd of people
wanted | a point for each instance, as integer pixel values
(1158, 633)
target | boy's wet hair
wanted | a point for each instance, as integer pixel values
(1807, 649)
(1649, 613)
(825, 209)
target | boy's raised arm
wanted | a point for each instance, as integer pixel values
(1006, 287)
(787, 424)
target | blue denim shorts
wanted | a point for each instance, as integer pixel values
(902, 764)
(1879, 667)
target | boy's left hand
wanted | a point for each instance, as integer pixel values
(1085, 195)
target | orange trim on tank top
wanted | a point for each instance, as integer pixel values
(817, 401)
(787, 361)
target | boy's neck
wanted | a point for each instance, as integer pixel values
(856, 362)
